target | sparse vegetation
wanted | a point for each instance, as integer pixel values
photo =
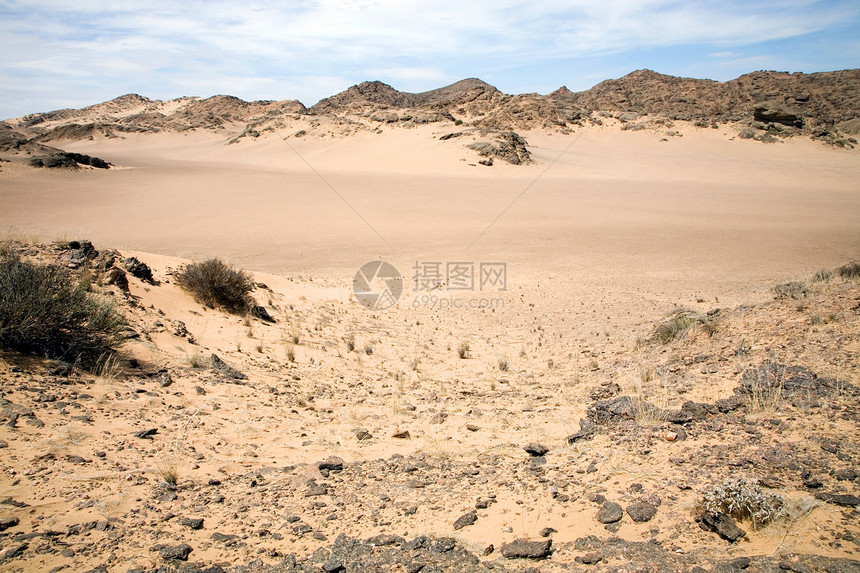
(463, 350)
(45, 311)
(850, 271)
(217, 284)
(503, 364)
(677, 324)
(743, 498)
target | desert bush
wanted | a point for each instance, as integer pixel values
(217, 284)
(823, 275)
(45, 311)
(675, 326)
(743, 498)
(850, 271)
(463, 350)
(795, 290)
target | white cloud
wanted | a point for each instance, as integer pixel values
(260, 45)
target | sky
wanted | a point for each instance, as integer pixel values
(56, 53)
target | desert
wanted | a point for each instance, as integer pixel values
(626, 334)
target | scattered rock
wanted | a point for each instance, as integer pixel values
(610, 512)
(225, 369)
(332, 463)
(139, 270)
(7, 522)
(522, 549)
(261, 313)
(175, 552)
(535, 449)
(192, 522)
(466, 519)
(846, 500)
(641, 511)
(722, 525)
(145, 434)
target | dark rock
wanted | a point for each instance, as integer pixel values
(118, 278)
(740, 562)
(536, 449)
(488, 162)
(332, 463)
(679, 416)
(730, 404)
(444, 545)
(846, 500)
(604, 391)
(261, 313)
(522, 549)
(225, 369)
(641, 511)
(7, 522)
(192, 522)
(315, 489)
(776, 113)
(139, 270)
(466, 519)
(586, 430)
(362, 435)
(175, 552)
(547, 531)
(722, 525)
(401, 435)
(610, 512)
(384, 540)
(145, 434)
(333, 565)
(451, 135)
(612, 411)
(16, 551)
(163, 378)
(591, 558)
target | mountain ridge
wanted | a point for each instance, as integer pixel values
(763, 105)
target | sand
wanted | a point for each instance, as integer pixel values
(602, 235)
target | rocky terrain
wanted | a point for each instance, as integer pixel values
(765, 106)
(318, 436)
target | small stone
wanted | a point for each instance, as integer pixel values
(163, 378)
(362, 435)
(522, 549)
(192, 522)
(176, 552)
(315, 489)
(332, 463)
(641, 511)
(7, 522)
(535, 449)
(839, 499)
(591, 558)
(547, 531)
(401, 435)
(466, 519)
(722, 525)
(146, 434)
(610, 512)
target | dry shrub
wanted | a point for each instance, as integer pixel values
(45, 311)
(218, 285)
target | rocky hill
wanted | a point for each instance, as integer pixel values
(760, 105)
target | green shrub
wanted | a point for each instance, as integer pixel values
(44, 311)
(217, 284)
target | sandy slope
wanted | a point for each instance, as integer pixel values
(611, 234)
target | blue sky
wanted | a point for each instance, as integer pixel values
(58, 53)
